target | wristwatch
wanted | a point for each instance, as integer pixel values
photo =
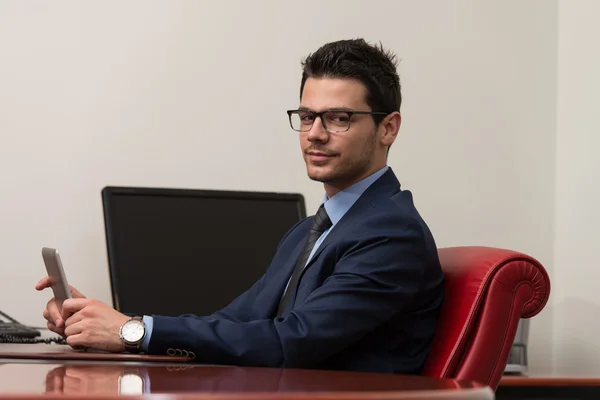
(132, 334)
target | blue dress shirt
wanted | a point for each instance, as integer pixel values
(336, 208)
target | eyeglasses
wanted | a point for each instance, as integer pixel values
(333, 121)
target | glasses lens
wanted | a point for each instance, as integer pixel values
(301, 120)
(337, 121)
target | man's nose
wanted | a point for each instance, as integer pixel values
(317, 132)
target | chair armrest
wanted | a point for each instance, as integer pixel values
(487, 291)
(487, 262)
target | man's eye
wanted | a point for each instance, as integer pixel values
(338, 117)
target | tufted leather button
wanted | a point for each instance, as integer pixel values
(170, 352)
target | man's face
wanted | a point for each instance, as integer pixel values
(343, 158)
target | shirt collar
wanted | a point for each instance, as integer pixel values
(340, 203)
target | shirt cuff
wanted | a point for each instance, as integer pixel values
(149, 323)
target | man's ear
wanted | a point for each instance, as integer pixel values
(390, 127)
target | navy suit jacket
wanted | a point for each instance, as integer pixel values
(367, 301)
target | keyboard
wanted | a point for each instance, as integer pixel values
(17, 329)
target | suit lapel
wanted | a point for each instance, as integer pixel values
(384, 186)
(281, 278)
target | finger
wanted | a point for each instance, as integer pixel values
(74, 329)
(46, 282)
(47, 316)
(76, 293)
(43, 283)
(54, 329)
(74, 305)
(77, 341)
(54, 313)
(73, 319)
(66, 315)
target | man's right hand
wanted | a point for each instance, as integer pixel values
(56, 321)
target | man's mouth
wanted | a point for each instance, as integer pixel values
(318, 156)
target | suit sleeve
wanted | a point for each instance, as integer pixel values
(375, 279)
(234, 311)
(237, 310)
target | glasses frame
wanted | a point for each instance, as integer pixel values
(320, 114)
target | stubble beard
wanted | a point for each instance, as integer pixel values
(345, 171)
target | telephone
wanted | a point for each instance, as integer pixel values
(12, 331)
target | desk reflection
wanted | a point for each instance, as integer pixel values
(121, 379)
(112, 379)
(87, 379)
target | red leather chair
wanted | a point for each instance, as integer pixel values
(487, 291)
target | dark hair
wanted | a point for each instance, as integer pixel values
(372, 65)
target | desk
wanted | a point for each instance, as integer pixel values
(100, 379)
(548, 386)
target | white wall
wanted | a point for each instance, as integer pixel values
(576, 295)
(194, 93)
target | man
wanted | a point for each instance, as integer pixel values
(356, 287)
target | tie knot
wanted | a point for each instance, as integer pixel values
(321, 222)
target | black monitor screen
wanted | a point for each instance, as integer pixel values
(177, 251)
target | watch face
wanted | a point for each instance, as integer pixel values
(133, 331)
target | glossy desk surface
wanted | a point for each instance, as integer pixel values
(99, 378)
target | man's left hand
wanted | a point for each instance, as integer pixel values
(93, 324)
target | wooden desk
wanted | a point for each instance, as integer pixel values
(41, 352)
(549, 387)
(107, 378)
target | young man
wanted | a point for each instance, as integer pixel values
(356, 287)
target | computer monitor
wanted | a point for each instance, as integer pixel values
(179, 251)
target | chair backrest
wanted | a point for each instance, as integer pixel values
(487, 291)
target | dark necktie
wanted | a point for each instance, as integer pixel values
(320, 224)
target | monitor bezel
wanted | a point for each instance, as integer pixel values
(109, 191)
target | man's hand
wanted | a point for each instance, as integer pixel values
(56, 321)
(84, 322)
(93, 324)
